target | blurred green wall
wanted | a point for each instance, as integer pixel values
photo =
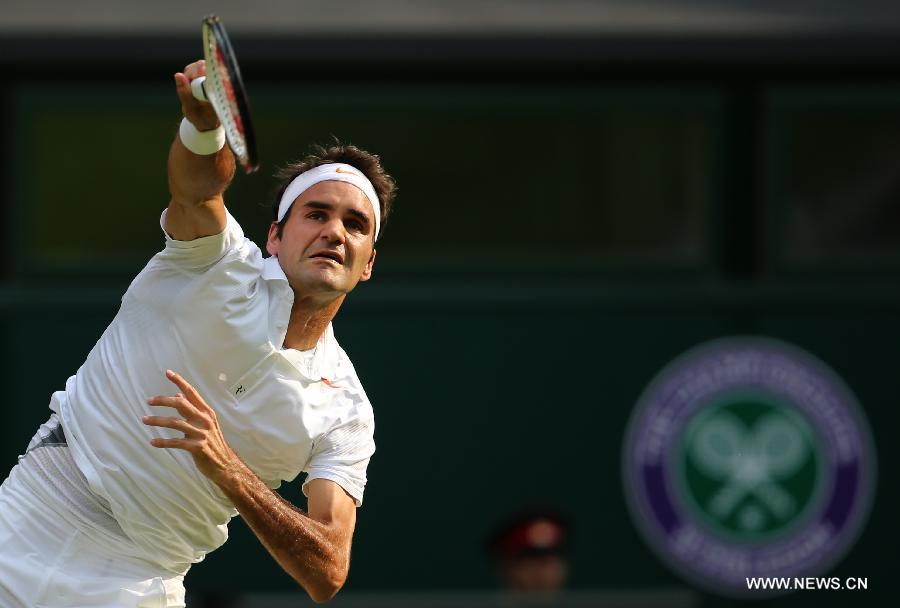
(556, 241)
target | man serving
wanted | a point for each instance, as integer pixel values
(219, 377)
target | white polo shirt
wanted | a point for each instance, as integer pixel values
(215, 311)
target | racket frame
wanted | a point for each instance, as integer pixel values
(212, 26)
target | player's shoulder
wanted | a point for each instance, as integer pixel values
(353, 387)
(230, 246)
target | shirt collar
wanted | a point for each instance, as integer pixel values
(272, 271)
(322, 364)
(328, 356)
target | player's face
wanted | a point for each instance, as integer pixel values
(327, 246)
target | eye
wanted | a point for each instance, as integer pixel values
(316, 215)
(354, 225)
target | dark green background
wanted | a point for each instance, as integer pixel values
(559, 236)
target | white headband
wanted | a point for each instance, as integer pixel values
(338, 172)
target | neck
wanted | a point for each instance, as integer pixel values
(309, 320)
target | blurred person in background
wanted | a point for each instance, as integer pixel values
(530, 551)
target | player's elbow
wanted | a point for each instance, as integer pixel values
(322, 598)
(324, 594)
(328, 587)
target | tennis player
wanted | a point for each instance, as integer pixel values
(219, 377)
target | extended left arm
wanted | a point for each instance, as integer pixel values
(313, 548)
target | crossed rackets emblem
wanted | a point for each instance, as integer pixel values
(749, 462)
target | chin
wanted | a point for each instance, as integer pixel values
(316, 283)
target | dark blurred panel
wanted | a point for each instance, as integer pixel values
(834, 176)
(490, 177)
(90, 177)
(528, 177)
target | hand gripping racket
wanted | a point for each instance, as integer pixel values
(224, 89)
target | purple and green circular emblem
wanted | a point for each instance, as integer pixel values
(748, 457)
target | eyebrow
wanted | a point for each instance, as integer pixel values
(329, 207)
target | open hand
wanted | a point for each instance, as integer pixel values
(202, 436)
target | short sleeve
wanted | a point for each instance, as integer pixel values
(342, 456)
(204, 251)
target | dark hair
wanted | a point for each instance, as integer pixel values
(368, 163)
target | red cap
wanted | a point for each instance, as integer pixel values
(530, 534)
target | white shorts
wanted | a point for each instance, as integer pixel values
(48, 560)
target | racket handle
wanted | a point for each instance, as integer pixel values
(197, 88)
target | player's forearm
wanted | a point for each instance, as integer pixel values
(315, 553)
(195, 178)
(308, 550)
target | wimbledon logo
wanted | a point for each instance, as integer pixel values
(748, 457)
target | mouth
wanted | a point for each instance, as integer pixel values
(329, 255)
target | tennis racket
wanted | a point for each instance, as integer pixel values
(224, 89)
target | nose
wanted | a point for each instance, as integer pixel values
(333, 231)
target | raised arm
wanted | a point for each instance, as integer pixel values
(196, 182)
(314, 547)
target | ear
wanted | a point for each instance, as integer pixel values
(272, 241)
(367, 272)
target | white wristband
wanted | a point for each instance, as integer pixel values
(201, 142)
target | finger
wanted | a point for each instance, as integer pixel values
(196, 69)
(170, 422)
(182, 84)
(180, 443)
(189, 391)
(183, 90)
(184, 407)
(201, 417)
(185, 96)
(179, 381)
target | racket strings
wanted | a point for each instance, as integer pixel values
(222, 96)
